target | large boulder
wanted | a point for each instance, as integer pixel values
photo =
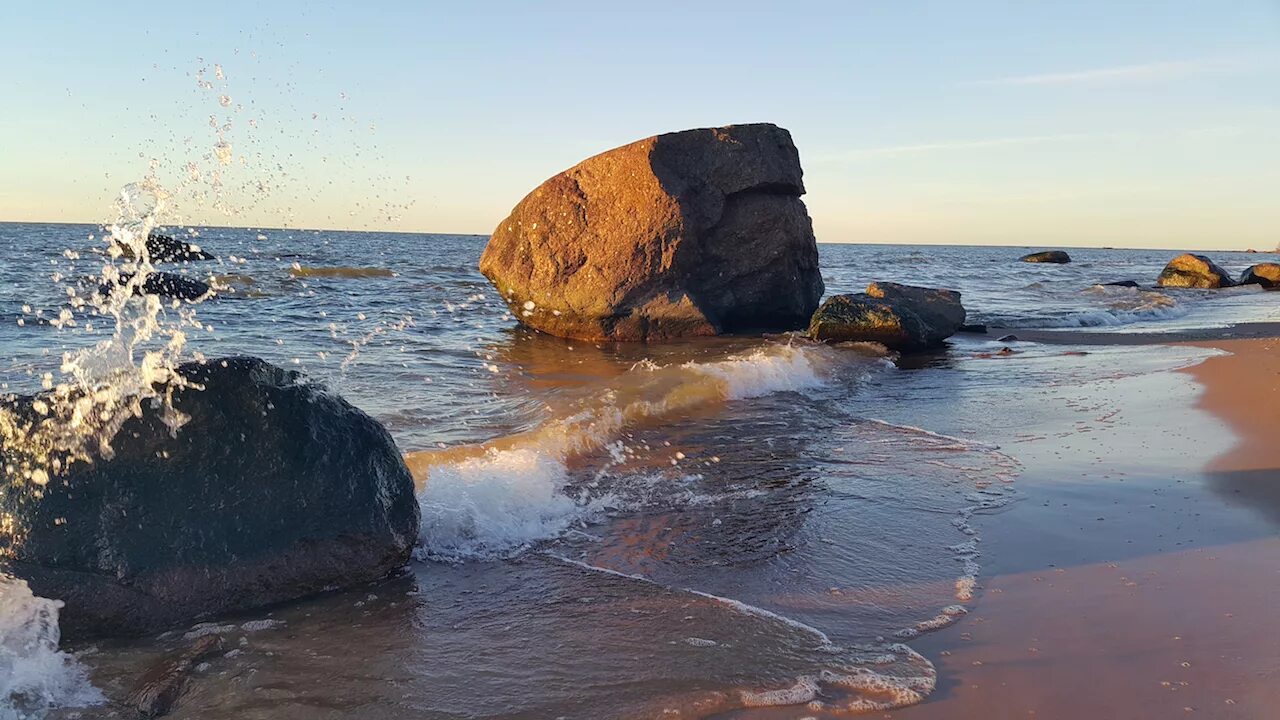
(1056, 257)
(900, 317)
(273, 490)
(698, 232)
(1265, 274)
(1193, 271)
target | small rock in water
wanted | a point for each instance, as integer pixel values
(1194, 271)
(1054, 257)
(1008, 338)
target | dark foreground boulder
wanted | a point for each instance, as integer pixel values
(273, 490)
(165, 284)
(690, 233)
(1193, 271)
(164, 248)
(1265, 274)
(900, 317)
(1056, 257)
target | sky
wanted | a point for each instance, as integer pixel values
(1089, 123)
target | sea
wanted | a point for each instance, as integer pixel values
(724, 527)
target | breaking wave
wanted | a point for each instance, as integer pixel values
(496, 499)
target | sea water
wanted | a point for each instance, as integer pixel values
(682, 530)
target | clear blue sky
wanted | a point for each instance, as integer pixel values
(1081, 123)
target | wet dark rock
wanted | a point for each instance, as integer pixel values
(1122, 283)
(1265, 274)
(165, 248)
(1056, 257)
(273, 490)
(165, 284)
(900, 317)
(1007, 338)
(974, 329)
(158, 690)
(690, 233)
(1193, 271)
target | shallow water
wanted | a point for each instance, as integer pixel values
(627, 531)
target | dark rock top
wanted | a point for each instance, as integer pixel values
(274, 489)
(1056, 257)
(164, 248)
(690, 233)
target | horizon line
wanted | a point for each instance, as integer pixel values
(820, 242)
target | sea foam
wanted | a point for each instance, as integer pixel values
(34, 675)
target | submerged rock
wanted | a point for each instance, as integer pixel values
(900, 317)
(165, 284)
(164, 248)
(1122, 283)
(1193, 271)
(698, 232)
(1265, 274)
(157, 691)
(273, 489)
(1056, 257)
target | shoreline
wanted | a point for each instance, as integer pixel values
(1165, 613)
(1203, 337)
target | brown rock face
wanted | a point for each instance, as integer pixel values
(698, 232)
(1193, 271)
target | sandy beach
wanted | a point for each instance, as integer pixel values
(1144, 587)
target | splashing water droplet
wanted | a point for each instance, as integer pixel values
(222, 149)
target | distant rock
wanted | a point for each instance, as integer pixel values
(1056, 257)
(900, 317)
(1265, 274)
(698, 232)
(974, 329)
(273, 490)
(1193, 271)
(165, 284)
(164, 248)
(1122, 283)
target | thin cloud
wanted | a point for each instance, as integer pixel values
(1119, 73)
(1216, 131)
(977, 144)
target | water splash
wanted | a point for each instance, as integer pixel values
(34, 675)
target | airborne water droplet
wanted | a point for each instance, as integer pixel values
(222, 149)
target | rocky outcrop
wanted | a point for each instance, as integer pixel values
(163, 284)
(1265, 274)
(164, 248)
(900, 317)
(273, 489)
(1193, 271)
(698, 232)
(1056, 257)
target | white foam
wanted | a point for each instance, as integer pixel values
(495, 505)
(34, 675)
(783, 368)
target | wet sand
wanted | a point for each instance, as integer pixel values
(1145, 586)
